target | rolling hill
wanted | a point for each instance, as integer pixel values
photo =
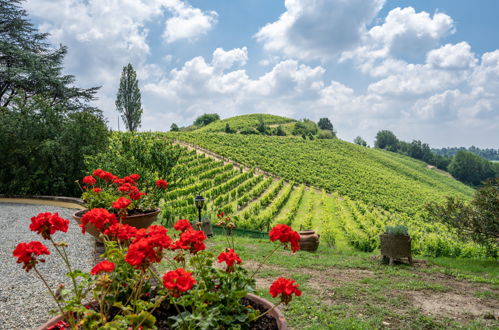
(242, 122)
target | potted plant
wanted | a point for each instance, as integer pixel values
(126, 292)
(395, 243)
(130, 198)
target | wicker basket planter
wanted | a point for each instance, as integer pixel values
(395, 247)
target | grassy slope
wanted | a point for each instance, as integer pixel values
(390, 180)
(244, 121)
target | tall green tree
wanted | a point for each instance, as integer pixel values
(360, 141)
(174, 128)
(206, 119)
(386, 140)
(128, 100)
(325, 123)
(470, 168)
(29, 66)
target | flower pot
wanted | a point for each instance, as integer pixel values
(276, 314)
(143, 220)
(309, 240)
(395, 247)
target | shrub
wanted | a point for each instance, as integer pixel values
(397, 230)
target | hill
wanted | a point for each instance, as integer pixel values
(242, 122)
(377, 177)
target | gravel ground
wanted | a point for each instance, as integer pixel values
(24, 300)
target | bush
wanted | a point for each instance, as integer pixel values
(323, 134)
(397, 230)
(42, 147)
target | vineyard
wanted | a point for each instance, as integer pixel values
(245, 121)
(391, 181)
(257, 201)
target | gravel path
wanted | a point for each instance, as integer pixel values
(24, 301)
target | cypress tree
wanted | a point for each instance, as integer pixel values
(128, 100)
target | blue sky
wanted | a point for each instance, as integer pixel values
(426, 70)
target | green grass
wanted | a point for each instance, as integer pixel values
(346, 289)
(239, 123)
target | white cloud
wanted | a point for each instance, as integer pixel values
(223, 60)
(318, 29)
(187, 22)
(453, 57)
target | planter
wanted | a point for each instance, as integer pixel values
(309, 240)
(395, 247)
(143, 220)
(276, 314)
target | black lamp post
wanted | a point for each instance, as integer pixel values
(199, 200)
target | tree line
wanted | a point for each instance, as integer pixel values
(464, 165)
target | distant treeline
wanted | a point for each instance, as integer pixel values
(490, 154)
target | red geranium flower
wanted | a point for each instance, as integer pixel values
(121, 203)
(147, 247)
(135, 177)
(61, 325)
(284, 287)
(120, 231)
(47, 224)
(191, 240)
(182, 225)
(98, 173)
(27, 252)
(161, 184)
(230, 258)
(178, 281)
(135, 193)
(286, 235)
(100, 218)
(97, 190)
(126, 187)
(103, 266)
(90, 180)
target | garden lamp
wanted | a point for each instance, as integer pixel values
(199, 201)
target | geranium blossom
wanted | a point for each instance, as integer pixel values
(147, 247)
(121, 203)
(120, 231)
(90, 180)
(161, 184)
(182, 225)
(230, 258)
(285, 288)
(178, 281)
(285, 234)
(27, 253)
(100, 218)
(47, 224)
(103, 266)
(191, 240)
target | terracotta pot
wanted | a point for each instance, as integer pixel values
(276, 314)
(309, 240)
(138, 221)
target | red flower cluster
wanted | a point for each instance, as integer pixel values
(120, 231)
(61, 325)
(106, 176)
(121, 203)
(161, 184)
(97, 190)
(286, 235)
(100, 218)
(182, 225)
(284, 287)
(47, 224)
(191, 240)
(103, 266)
(90, 180)
(147, 247)
(27, 252)
(230, 258)
(178, 281)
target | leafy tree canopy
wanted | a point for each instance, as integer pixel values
(470, 168)
(174, 128)
(305, 127)
(386, 140)
(29, 66)
(325, 123)
(206, 119)
(360, 141)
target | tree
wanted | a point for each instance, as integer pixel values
(228, 129)
(325, 134)
(261, 125)
(470, 168)
(280, 131)
(360, 141)
(386, 140)
(29, 66)
(305, 127)
(478, 220)
(128, 99)
(206, 119)
(325, 123)
(174, 128)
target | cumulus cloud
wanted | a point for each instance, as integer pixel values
(318, 29)
(226, 59)
(187, 22)
(458, 57)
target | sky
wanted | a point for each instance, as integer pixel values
(426, 70)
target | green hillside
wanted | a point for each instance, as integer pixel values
(239, 123)
(257, 201)
(388, 180)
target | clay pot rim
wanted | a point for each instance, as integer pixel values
(276, 313)
(307, 231)
(80, 213)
